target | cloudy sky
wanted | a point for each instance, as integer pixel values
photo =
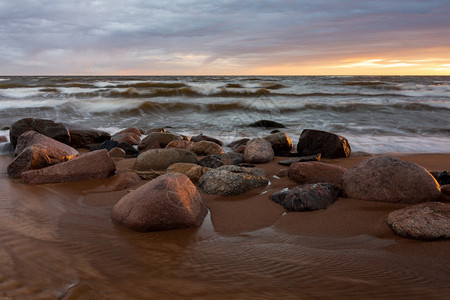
(229, 37)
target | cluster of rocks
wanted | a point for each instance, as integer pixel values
(50, 152)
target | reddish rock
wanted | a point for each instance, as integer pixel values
(117, 152)
(160, 159)
(193, 171)
(130, 136)
(92, 165)
(328, 144)
(162, 138)
(205, 148)
(168, 202)
(280, 141)
(202, 137)
(240, 149)
(180, 144)
(35, 151)
(242, 142)
(57, 131)
(258, 150)
(3, 139)
(82, 136)
(425, 221)
(315, 172)
(390, 179)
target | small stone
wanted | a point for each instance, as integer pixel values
(281, 142)
(162, 138)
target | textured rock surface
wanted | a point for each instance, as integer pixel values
(232, 180)
(330, 145)
(35, 151)
(48, 128)
(258, 150)
(160, 159)
(211, 161)
(427, 221)
(92, 165)
(280, 141)
(193, 171)
(290, 161)
(81, 136)
(390, 179)
(161, 138)
(315, 172)
(201, 137)
(180, 144)
(307, 197)
(131, 136)
(205, 148)
(168, 202)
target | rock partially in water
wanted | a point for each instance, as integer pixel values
(92, 165)
(425, 221)
(168, 202)
(330, 145)
(307, 197)
(390, 179)
(232, 180)
(315, 172)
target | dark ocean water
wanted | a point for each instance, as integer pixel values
(375, 113)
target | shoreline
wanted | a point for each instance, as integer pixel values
(347, 248)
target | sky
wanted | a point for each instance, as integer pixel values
(224, 37)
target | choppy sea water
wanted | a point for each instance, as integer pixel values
(375, 113)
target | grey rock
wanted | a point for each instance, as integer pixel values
(258, 150)
(280, 141)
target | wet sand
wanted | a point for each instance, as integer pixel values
(57, 241)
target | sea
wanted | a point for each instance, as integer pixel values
(377, 114)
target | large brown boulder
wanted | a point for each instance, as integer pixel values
(160, 159)
(92, 165)
(258, 150)
(35, 151)
(315, 172)
(81, 135)
(205, 148)
(130, 136)
(57, 131)
(425, 221)
(330, 145)
(280, 141)
(160, 138)
(168, 202)
(390, 179)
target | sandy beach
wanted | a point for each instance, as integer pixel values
(58, 241)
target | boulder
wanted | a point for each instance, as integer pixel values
(92, 165)
(211, 161)
(315, 172)
(443, 178)
(35, 151)
(180, 144)
(231, 158)
(307, 197)
(117, 152)
(425, 221)
(57, 131)
(390, 179)
(168, 202)
(241, 142)
(205, 148)
(258, 150)
(130, 136)
(267, 124)
(161, 138)
(129, 150)
(81, 135)
(193, 171)
(445, 192)
(160, 159)
(232, 180)
(280, 141)
(201, 137)
(290, 161)
(330, 145)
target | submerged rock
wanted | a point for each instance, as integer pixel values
(425, 221)
(307, 197)
(232, 180)
(168, 202)
(390, 179)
